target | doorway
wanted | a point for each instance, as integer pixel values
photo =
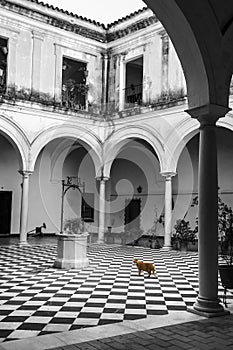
(5, 212)
(132, 214)
(133, 84)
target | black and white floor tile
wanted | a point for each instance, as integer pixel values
(37, 299)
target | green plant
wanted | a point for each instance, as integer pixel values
(183, 232)
(74, 226)
(225, 229)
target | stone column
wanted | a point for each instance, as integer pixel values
(168, 209)
(101, 209)
(208, 303)
(24, 206)
(36, 61)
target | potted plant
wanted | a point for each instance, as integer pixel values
(225, 231)
(74, 226)
(225, 240)
(72, 245)
(183, 234)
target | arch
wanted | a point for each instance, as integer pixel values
(122, 136)
(87, 139)
(178, 140)
(227, 47)
(226, 122)
(201, 58)
(18, 140)
(187, 129)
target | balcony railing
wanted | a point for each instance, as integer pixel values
(133, 94)
(75, 100)
(74, 95)
(2, 80)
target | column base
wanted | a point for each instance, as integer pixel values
(208, 308)
(166, 248)
(23, 243)
(100, 241)
(71, 263)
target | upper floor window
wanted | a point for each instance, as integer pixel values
(133, 83)
(74, 87)
(3, 64)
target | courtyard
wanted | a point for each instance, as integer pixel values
(37, 299)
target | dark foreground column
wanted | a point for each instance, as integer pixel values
(208, 303)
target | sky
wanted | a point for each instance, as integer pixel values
(103, 11)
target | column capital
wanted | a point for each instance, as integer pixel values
(163, 33)
(121, 56)
(14, 36)
(168, 174)
(105, 55)
(25, 173)
(57, 50)
(102, 178)
(208, 114)
(38, 35)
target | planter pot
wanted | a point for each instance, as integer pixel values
(71, 251)
(226, 276)
(182, 246)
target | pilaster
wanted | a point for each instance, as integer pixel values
(37, 38)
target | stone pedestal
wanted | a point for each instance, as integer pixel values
(71, 251)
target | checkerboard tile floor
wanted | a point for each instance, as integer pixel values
(37, 299)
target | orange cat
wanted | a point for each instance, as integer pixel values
(148, 267)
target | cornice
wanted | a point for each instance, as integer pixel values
(145, 22)
(54, 21)
(104, 35)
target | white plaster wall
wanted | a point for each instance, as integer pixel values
(24, 59)
(153, 67)
(176, 80)
(47, 80)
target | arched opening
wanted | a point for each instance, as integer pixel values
(59, 159)
(135, 191)
(185, 184)
(10, 186)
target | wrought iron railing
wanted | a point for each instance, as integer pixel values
(74, 95)
(2, 82)
(75, 100)
(133, 94)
